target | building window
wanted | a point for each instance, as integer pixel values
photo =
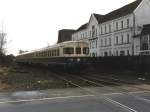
(90, 34)
(105, 29)
(93, 54)
(96, 31)
(122, 53)
(109, 53)
(86, 35)
(96, 44)
(101, 30)
(128, 53)
(85, 50)
(128, 22)
(101, 42)
(122, 39)
(117, 53)
(110, 41)
(128, 38)
(109, 28)
(92, 44)
(116, 25)
(93, 31)
(101, 53)
(105, 42)
(145, 42)
(116, 40)
(83, 36)
(121, 24)
(105, 54)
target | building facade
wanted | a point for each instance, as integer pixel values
(116, 33)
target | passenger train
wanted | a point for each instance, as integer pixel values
(69, 52)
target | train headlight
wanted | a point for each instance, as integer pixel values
(78, 59)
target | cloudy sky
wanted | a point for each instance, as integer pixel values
(32, 24)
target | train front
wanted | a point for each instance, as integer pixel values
(76, 55)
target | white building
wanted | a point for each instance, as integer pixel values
(116, 33)
(145, 40)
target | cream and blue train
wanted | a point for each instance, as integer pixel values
(70, 52)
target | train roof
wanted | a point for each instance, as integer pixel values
(53, 46)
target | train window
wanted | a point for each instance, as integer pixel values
(85, 50)
(47, 53)
(38, 54)
(50, 53)
(58, 52)
(78, 50)
(53, 52)
(68, 50)
(44, 53)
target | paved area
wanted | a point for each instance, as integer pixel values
(97, 99)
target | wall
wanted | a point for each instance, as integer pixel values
(142, 13)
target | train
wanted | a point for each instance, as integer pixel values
(67, 54)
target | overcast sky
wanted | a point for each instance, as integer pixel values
(32, 24)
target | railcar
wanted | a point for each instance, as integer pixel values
(68, 53)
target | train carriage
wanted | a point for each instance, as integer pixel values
(66, 53)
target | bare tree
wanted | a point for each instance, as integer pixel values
(3, 42)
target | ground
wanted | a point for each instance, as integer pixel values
(37, 89)
(22, 78)
(28, 78)
(75, 100)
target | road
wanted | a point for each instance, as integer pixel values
(75, 100)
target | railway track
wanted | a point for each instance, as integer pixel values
(68, 78)
(89, 81)
(110, 78)
(114, 81)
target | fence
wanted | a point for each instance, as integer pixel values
(134, 63)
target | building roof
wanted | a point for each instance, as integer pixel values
(123, 11)
(82, 27)
(99, 17)
(146, 29)
(65, 35)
